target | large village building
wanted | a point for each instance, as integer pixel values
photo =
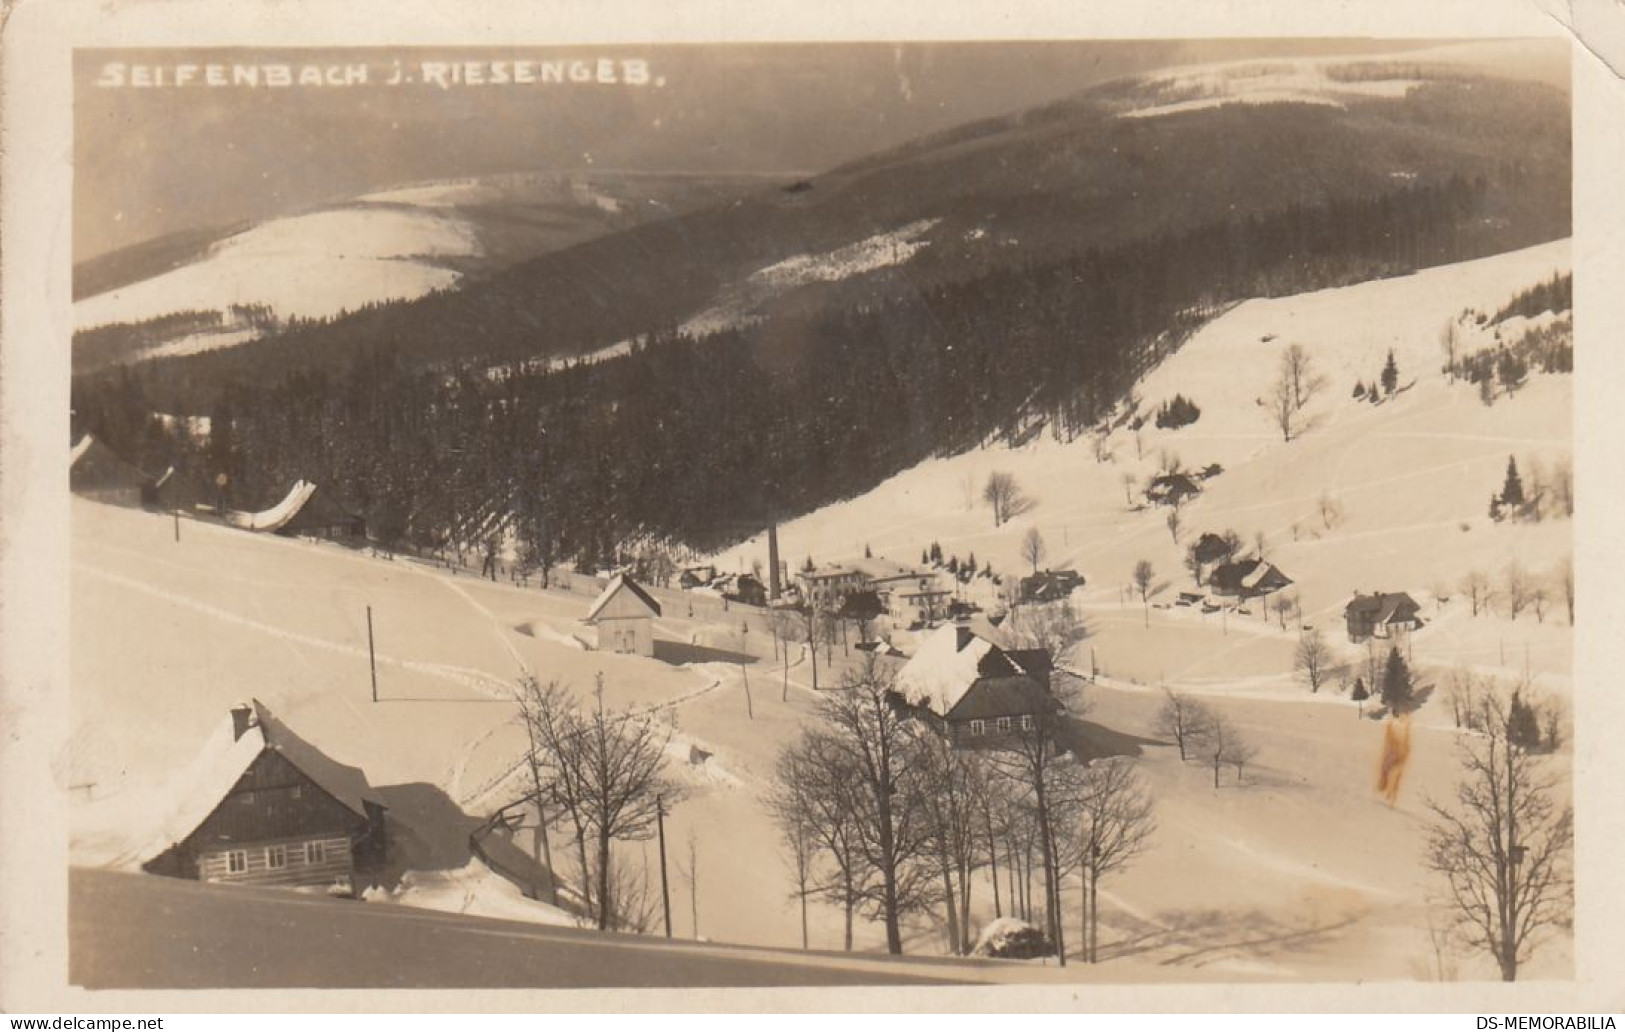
(825, 587)
(623, 616)
(972, 692)
(261, 805)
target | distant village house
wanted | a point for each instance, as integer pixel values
(624, 618)
(1384, 615)
(1050, 586)
(1247, 578)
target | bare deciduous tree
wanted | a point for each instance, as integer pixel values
(1116, 823)
(1283, 411)
(1225, 746)
(1476, 586)
(1128, 480)
(1033, 549)
(871, 740)
(1518, 588)
(1503, 848)
(1144, 575)
(1565, 585)
(1055, 627)
(1183, 719)
(607, 770)
(1314, 659)
(1298, 374)
(1174, 523)
(1003, 493)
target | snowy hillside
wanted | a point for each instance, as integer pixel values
(1408, 482)
(307, 266)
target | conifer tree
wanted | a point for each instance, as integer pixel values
(1390, 374)
(1398, 688)
(1512, 490)
(1523, 726)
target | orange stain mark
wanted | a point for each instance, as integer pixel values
(1396, 749)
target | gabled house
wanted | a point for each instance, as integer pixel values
(624, 617)
(1247, 578)
(1382, 615)
(697, 577)
(972, 692)
(262, 806)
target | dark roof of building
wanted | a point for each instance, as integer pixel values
(1012, 696)
(1383, 607)
(1253, 576)
(346, 784)
(619, 581)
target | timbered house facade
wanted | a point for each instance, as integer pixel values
(263, 806)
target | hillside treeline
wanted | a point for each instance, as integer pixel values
(705, 441)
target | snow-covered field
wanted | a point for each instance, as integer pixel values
(1411, 480)
(311, 266)
(1332, 80)
(1302, 873)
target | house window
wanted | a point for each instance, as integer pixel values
(247, 798)
(293, 793)
(315, 852)
(1026, 721)
(276, 857)
(978, 727)
(1004, 723)
(236, 861)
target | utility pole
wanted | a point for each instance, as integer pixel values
(372, 656)
(665, 892)
(177, 526)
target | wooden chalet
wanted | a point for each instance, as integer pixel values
(262, 806)
(1247, 578)
(972, 692)
(97, 472)
(624, 617)
(1384, 615)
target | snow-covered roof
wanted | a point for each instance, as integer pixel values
(224, 759)
(942, 670)
(616, 583)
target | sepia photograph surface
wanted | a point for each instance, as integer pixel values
(807, 514)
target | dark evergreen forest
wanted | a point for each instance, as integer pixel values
(705, 441)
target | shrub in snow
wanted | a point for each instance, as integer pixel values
(1013, 939)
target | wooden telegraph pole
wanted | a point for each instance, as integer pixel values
(372, 656)
(665, 891)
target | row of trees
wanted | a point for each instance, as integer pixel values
(1201, 733)
(1518, 590)
(884, 818)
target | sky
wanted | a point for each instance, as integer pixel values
(154, 157)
